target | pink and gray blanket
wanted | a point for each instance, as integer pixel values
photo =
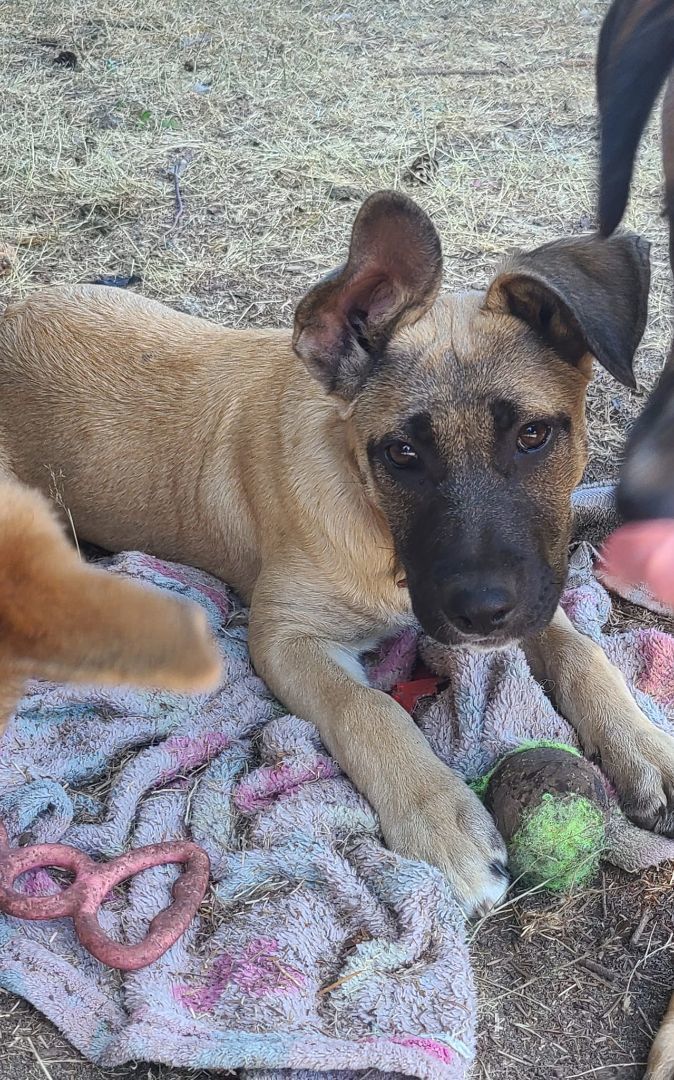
(316, 950)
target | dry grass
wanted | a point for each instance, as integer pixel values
(278, 118)
(219, 151)
(574, 986)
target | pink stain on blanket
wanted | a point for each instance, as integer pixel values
(573, 600)
(189, 753)
(420, 1042)
(256, 971)
(396, 661)
(267, 784)
(217, 596)
(657, 672)
(431, 1046)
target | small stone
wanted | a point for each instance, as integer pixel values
(66, 58)
(191, 306)
(7, 259)
(344, 193)
(189, 41)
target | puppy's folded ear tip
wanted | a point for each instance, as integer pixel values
(628, 379)
(619, 369)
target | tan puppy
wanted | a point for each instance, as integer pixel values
(61, 619)
(403, 454)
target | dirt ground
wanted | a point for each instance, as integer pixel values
(218, 152)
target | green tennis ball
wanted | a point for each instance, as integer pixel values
(559, 843)
(550, 806)
(481, 784)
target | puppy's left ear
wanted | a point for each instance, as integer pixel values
(584, 295)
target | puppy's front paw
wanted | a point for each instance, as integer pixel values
(641, 766)
(444, 823)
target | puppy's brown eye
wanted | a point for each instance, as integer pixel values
(402, 455)
(533, 436)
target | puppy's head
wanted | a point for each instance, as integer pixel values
(636, 52)
(466, 412)
(61, 619)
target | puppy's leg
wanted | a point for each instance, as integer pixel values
(592, 694)
(661, 1058)
(425, 810)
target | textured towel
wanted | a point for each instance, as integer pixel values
(317, 950)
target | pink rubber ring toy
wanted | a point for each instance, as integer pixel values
(81, 901)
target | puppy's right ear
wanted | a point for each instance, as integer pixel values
(636, 51)
(391, 278)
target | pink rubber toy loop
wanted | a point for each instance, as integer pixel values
(82, 899)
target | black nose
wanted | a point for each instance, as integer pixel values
(479, 608)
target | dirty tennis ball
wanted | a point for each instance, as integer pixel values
(550, 806)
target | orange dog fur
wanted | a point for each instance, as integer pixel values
(62, 619)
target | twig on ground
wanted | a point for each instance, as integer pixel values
(646, 916)
(603, 1068)
(176, 171)
(599, 971)
(441, 69)
(41, 1064)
